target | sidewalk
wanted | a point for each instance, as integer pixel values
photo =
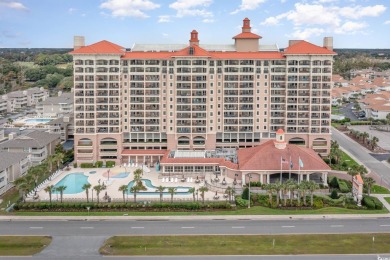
(381, 197)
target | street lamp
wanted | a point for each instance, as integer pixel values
(249, 191)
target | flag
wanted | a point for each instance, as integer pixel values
(291, 164)
(300, 162)
(283, 160)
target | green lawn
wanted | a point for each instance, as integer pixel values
(248, 244)
(22, 245)
(10, 196)
(376, 189)
(256, 210)
(387, 199)
(344, 158)
(336, 111)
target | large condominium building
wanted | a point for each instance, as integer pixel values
(154, 98)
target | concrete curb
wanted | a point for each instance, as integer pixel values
(195, 217)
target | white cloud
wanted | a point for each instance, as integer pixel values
(13, 5)
(387, 22)
(356, 12)
(164, 19)
(192, 8)
(312, 19)
(350, 28)
(132, 8)
(248, 5)
(303, 34)
(208, 20)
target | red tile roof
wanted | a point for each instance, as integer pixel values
(268, 157)
(304, 47)
(359, 179)
(100, 47)
(247, 35)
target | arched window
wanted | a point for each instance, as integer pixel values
(199, 140)
(84, 142)
(320, 142)
(183, 140)
(297, 141)
(108, 141)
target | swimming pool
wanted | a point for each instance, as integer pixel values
(120, 175)
(151, 189)
(73, 182)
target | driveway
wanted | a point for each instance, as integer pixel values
(347, 112)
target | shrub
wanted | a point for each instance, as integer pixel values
(334, 194)
(343, 187)
(255, 184)
(318, 203)
(333, 183)
(74, 165)
(110, 164)
(99, 164)
(245, 194)
(241, 202)
(86, 165)
(368, 202)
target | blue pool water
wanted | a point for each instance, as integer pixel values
(37, 120)
(152, 189)
(120, 175)
(73, 182)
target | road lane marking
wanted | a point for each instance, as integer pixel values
(87, 227)
(238, 227)
(36, 227)
(136, 227)
(385, 225)
(187, 227)
(288, 226)
(336, 225)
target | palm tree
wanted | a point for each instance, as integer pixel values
(374, 142)
(172, 191)
(22, 186)
(50, 160)
(312, 187)
(99, 188)
(138, 175)
(269, 187)
(229, 191)
(192, 190)
(49, 189)
(35, 173)
(202, 190)
(58, 159)
(123, 189)
(277, 188)
(362, 170)
(86, 187)
(292, 186)
(284, 188)
(353, 171)
(369, 181)
(134, 190)
(61, 190)
(365, 135)
(303, 186)
(161, 190)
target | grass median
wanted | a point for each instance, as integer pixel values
(23, 245)
(248, 244)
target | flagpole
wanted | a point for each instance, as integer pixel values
(299, 169)
(281, 165)
(289, 172)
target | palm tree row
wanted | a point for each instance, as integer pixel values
(298, 190)
(364, 137)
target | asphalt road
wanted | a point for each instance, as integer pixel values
(81, 239)
(363, 156)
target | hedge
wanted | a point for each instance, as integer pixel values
(79, 206)
(372, 202)
(343, 186)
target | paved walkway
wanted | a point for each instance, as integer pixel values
(382, 197)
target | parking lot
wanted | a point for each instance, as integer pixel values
(384, 137)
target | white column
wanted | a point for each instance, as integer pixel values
(243, 179)
(268, 178)
(308, 176)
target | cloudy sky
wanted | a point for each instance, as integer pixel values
(53, 23)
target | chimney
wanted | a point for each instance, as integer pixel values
(292, 42)
(194, 38)
(328, 43)
(246, 25)
(78, 42)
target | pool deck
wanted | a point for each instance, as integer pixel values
(113, 184)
